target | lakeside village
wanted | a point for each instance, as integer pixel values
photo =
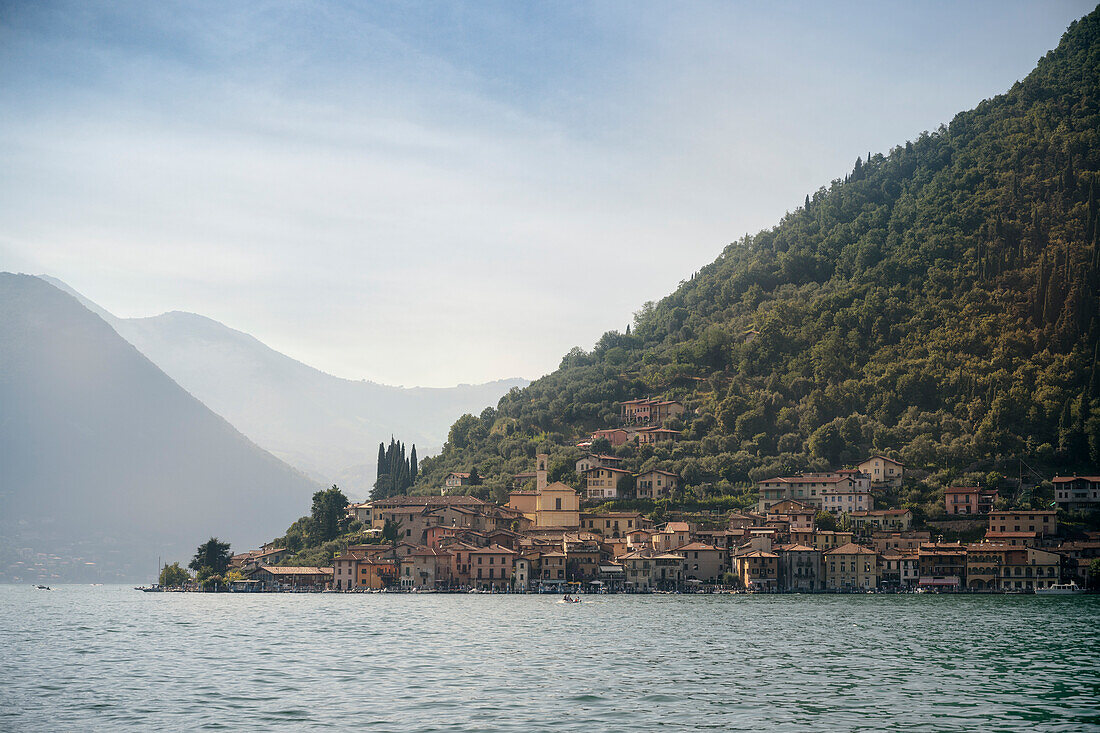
(815, 532)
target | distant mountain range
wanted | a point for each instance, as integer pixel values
(105, 462)
(326, 426)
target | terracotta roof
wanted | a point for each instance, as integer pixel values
(450, 500)
(604, 468)
(798, 548)
(759, 553)
(677, 527)
(303, 570)
(1063, 479)
(884, 458)
(492, 550)
(660, 471)
(698, 546)
(851, 549)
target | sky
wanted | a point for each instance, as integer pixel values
(441, 193)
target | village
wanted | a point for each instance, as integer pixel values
(541, 540)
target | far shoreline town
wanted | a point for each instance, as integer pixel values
(809, 533)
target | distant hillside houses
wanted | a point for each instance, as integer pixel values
(649, 411)
(1077, 493)
(840, 491)
(883, 471)
(642, 422)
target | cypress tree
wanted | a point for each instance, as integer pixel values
(381, 461)
(413, 468)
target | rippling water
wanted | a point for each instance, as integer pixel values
(110, 658)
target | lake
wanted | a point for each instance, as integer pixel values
(112, 658)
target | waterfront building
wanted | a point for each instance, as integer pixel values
(524, 566)
(668, 571)
(552, 567)
(638, 570)
(943, 560)
(758, 570)
(702, 561)
(288, 578)
(427, 568)
(851, 567)
(800, 569)
(1078, 555)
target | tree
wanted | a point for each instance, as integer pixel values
(173, 575)
(414, 467)
(826, 442)
(601, 446)
(475, 478)
(207, 579)
(1094, 573)
(329, 514)
(212, 555)
(825, 521)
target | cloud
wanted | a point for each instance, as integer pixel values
(443, 193)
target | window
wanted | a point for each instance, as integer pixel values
(557, 504)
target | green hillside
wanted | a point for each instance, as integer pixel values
(938, 304)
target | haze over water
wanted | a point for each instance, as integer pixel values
(110, 658)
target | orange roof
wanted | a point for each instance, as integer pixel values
(299, 570)
(851, 549)
(698, 546)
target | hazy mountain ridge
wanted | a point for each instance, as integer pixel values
(325, 425)
(105, 457)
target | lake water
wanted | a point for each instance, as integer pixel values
(111, 658)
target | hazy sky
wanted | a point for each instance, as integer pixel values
(439, 193)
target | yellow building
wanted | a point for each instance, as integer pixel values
(851, 567)
(558, 506)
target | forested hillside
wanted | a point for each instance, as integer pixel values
(938, 304)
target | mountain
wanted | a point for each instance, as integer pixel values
(326, 426)
(938, 304)
(105, 462)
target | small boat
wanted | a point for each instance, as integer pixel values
(43, 587)
(1060, 589)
